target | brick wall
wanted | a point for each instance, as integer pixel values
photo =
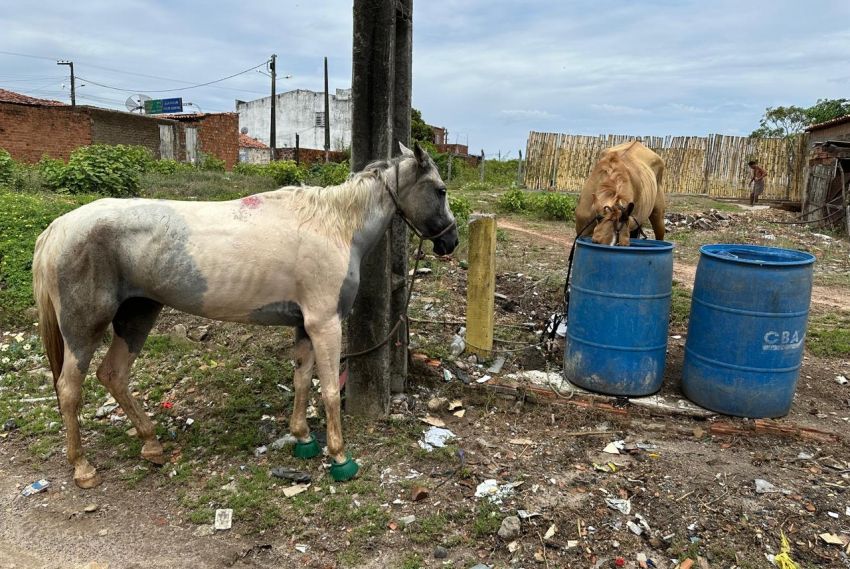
(28, 132)
(309, 155)
(116, 127)
(218, 135)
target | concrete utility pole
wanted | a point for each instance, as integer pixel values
(73, 81)
(381, 85)
(273, 118)
(327, 116)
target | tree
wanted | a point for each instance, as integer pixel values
(419, 129)
(782, 122)
(788, 121)
(828, 109)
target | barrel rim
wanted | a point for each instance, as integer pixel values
(636, 245)
(794, 257)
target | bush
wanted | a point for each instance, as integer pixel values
(100, 168)
(330, 174)
(7, 168)
(513, 201)
(461, 208)
(285, 172)
(247, 169)
(210, 163)
(555, 206)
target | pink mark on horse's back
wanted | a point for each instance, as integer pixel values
(252, 202)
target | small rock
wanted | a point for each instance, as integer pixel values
(205, 530)
(103, 532)
(91, 508)
(437, 404)
(131, 432)
(199, 334)
(10, 425)
(180, 331)
(407, 520)
(418, 493)
(260, 450)
(510, 529)
(105, 409)
(440, 552)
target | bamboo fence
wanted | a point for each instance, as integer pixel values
(715, 165)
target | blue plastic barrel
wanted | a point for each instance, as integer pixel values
(618, 316)
(747, 329)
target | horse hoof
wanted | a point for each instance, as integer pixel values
(88, 480)
(342, 471)
(310, 449)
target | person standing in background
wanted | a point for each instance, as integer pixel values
(757, 181)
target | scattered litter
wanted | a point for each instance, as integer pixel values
(458, 345)
(295, 489)
(460, 413)
(833, 539)
(190, 421)
(513, 546)
(805, 456)
(230, 486)
(624, 506)
(526, 515)
(847, 511)
(447, 375)
(105, 409)
(550, 532)
(223, 519)
(103, 533)
(435, 437)
(480, 566)
(676, 336)
(260, 450)
(572, 543)
(525, 442)
(832, 515)
(455, 404)
(607, 467)
(841, 380)
(407, 520)
(35, 487)
(497, 365)
(765, 487)
(301, 547)
(495, 492)
(614, 447)
(483, 379)
(634, 528)
(437, 404)
(283, 441)
(297, 476)
(433, 421)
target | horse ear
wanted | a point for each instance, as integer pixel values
(420, 154)
(405, 151)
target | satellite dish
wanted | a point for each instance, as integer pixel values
(136, 103)
(244, 130)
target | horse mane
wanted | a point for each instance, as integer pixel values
(612, 174)
(343, 209)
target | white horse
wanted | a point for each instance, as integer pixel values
(289, 257)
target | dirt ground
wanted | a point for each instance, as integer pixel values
(691, 494)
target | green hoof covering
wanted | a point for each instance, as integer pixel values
(342, 471)
(310, 449)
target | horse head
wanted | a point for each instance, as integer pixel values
(613, 202)
(422, 199)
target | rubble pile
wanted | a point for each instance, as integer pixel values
(708, 221)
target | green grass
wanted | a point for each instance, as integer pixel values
(680, 309)
(412, 561)
(487, 521)
(22, 218)
(829, 334)
(203, 185)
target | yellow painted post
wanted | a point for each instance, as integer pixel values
(481, 284)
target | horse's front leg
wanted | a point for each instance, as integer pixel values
(326, 337)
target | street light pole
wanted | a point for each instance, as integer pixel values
(272, 131)
(73, 87)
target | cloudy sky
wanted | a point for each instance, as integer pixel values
(487, 70)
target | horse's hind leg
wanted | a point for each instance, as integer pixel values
(69, 392)
(131, 325)
(304, 360)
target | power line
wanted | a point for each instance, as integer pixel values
(27, 55)
(171, 90)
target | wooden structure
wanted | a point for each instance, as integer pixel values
(715, 165)
(381, 91)
(826, 200)
(481, 285)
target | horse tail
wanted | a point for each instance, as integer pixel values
(48, 323)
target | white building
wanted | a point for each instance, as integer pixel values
(301, 112)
